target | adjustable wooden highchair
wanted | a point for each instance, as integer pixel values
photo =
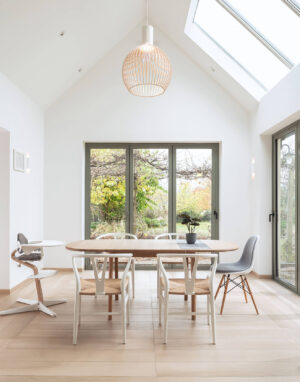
(25, 255)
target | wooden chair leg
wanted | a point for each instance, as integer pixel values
(219, 286)
(185, 297)
(224, 295)
(251, 295)
(244, 289)
(39, 290)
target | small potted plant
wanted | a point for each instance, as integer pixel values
(191, 224)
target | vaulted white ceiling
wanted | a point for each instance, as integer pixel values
(45, 64)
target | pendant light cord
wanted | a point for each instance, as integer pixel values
(147, 12)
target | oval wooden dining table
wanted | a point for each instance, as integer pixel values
(149, 248)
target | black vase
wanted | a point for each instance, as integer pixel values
(191, 238)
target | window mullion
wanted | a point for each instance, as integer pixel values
(267, 43)
(293, 6)
(297, 181)
(172, 190)
(129, 189)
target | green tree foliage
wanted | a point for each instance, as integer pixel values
(150, 195)
(108, 192)
(195, 201)
(108, 195)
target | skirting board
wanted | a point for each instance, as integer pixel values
(22, 284)
(28, 281)
(259, 276)
(61, 269)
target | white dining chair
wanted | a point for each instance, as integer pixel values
(101, 286)
(168, 260)
(189, 285)
(168, 236)
(121, 236)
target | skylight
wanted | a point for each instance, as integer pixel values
(275, 21)
(294, 5)
(260, 35)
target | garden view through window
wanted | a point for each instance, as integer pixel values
(286, 191)
(142, 189)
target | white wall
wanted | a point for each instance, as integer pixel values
(99, 109)
(4, 207)
(279, 108)
(25, 122)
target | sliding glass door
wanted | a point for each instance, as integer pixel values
(107, 191)
(194, 172)
(142, 188)
(285, 202)
(150, 192)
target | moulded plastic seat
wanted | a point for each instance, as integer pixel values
(245, 263)
(231, 268)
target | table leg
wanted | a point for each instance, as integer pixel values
(111, 266)
(116, 274)
(110, 305)
(193, 297)
(194, 306)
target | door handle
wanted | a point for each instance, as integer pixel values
(216, 214)
(271, 216)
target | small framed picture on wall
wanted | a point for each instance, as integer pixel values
(19, 161)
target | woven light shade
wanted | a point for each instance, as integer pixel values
(147, 70)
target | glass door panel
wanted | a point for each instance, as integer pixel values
(194, 188)
(286, 210)
(107, 190)
(150, 192)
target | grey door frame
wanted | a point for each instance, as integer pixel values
(293, 128)
(129, 147)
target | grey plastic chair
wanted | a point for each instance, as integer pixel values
(233, 272)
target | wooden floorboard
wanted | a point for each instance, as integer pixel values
(35, 347)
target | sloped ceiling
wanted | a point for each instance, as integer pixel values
(171, 17)
(45, 64)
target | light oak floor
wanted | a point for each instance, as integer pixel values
(35, 347)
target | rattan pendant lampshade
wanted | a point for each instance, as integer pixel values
(146, 69)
